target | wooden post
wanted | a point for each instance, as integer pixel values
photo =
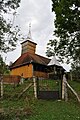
(74, 92)
(64, 89)
(25, 90)
(35, 86)
(1, 81)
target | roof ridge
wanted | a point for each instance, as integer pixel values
(43, 56)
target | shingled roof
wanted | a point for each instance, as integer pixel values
(27, 58)
(54, 61)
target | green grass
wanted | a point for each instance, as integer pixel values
(55, 110)
(28, 108)
(75, 85)
(49, 84)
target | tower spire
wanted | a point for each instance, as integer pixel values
(29, 33)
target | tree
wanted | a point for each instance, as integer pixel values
(67, 30)
(3, 67)
(8, 35)
(75, 71)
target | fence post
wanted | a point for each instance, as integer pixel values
(74, 92)
(35, 86)
(64, 89)
(1, 81)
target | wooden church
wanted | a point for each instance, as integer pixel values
(30, 64)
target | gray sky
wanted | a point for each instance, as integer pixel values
(39, 13)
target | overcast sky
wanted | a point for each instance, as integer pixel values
(39, 14)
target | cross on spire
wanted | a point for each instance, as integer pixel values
(29, 33)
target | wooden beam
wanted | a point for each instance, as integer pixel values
(25, 90)
(64, 89)
(74, 92)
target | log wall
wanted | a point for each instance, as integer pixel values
(27, 71)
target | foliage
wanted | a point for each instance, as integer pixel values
(3, 67)
(67, 30)
(75, 71)
(8, 35)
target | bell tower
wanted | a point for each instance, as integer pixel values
(28, 45)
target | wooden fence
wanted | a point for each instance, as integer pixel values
(8, 79)
(11, 79)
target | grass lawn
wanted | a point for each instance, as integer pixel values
(28, 108)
